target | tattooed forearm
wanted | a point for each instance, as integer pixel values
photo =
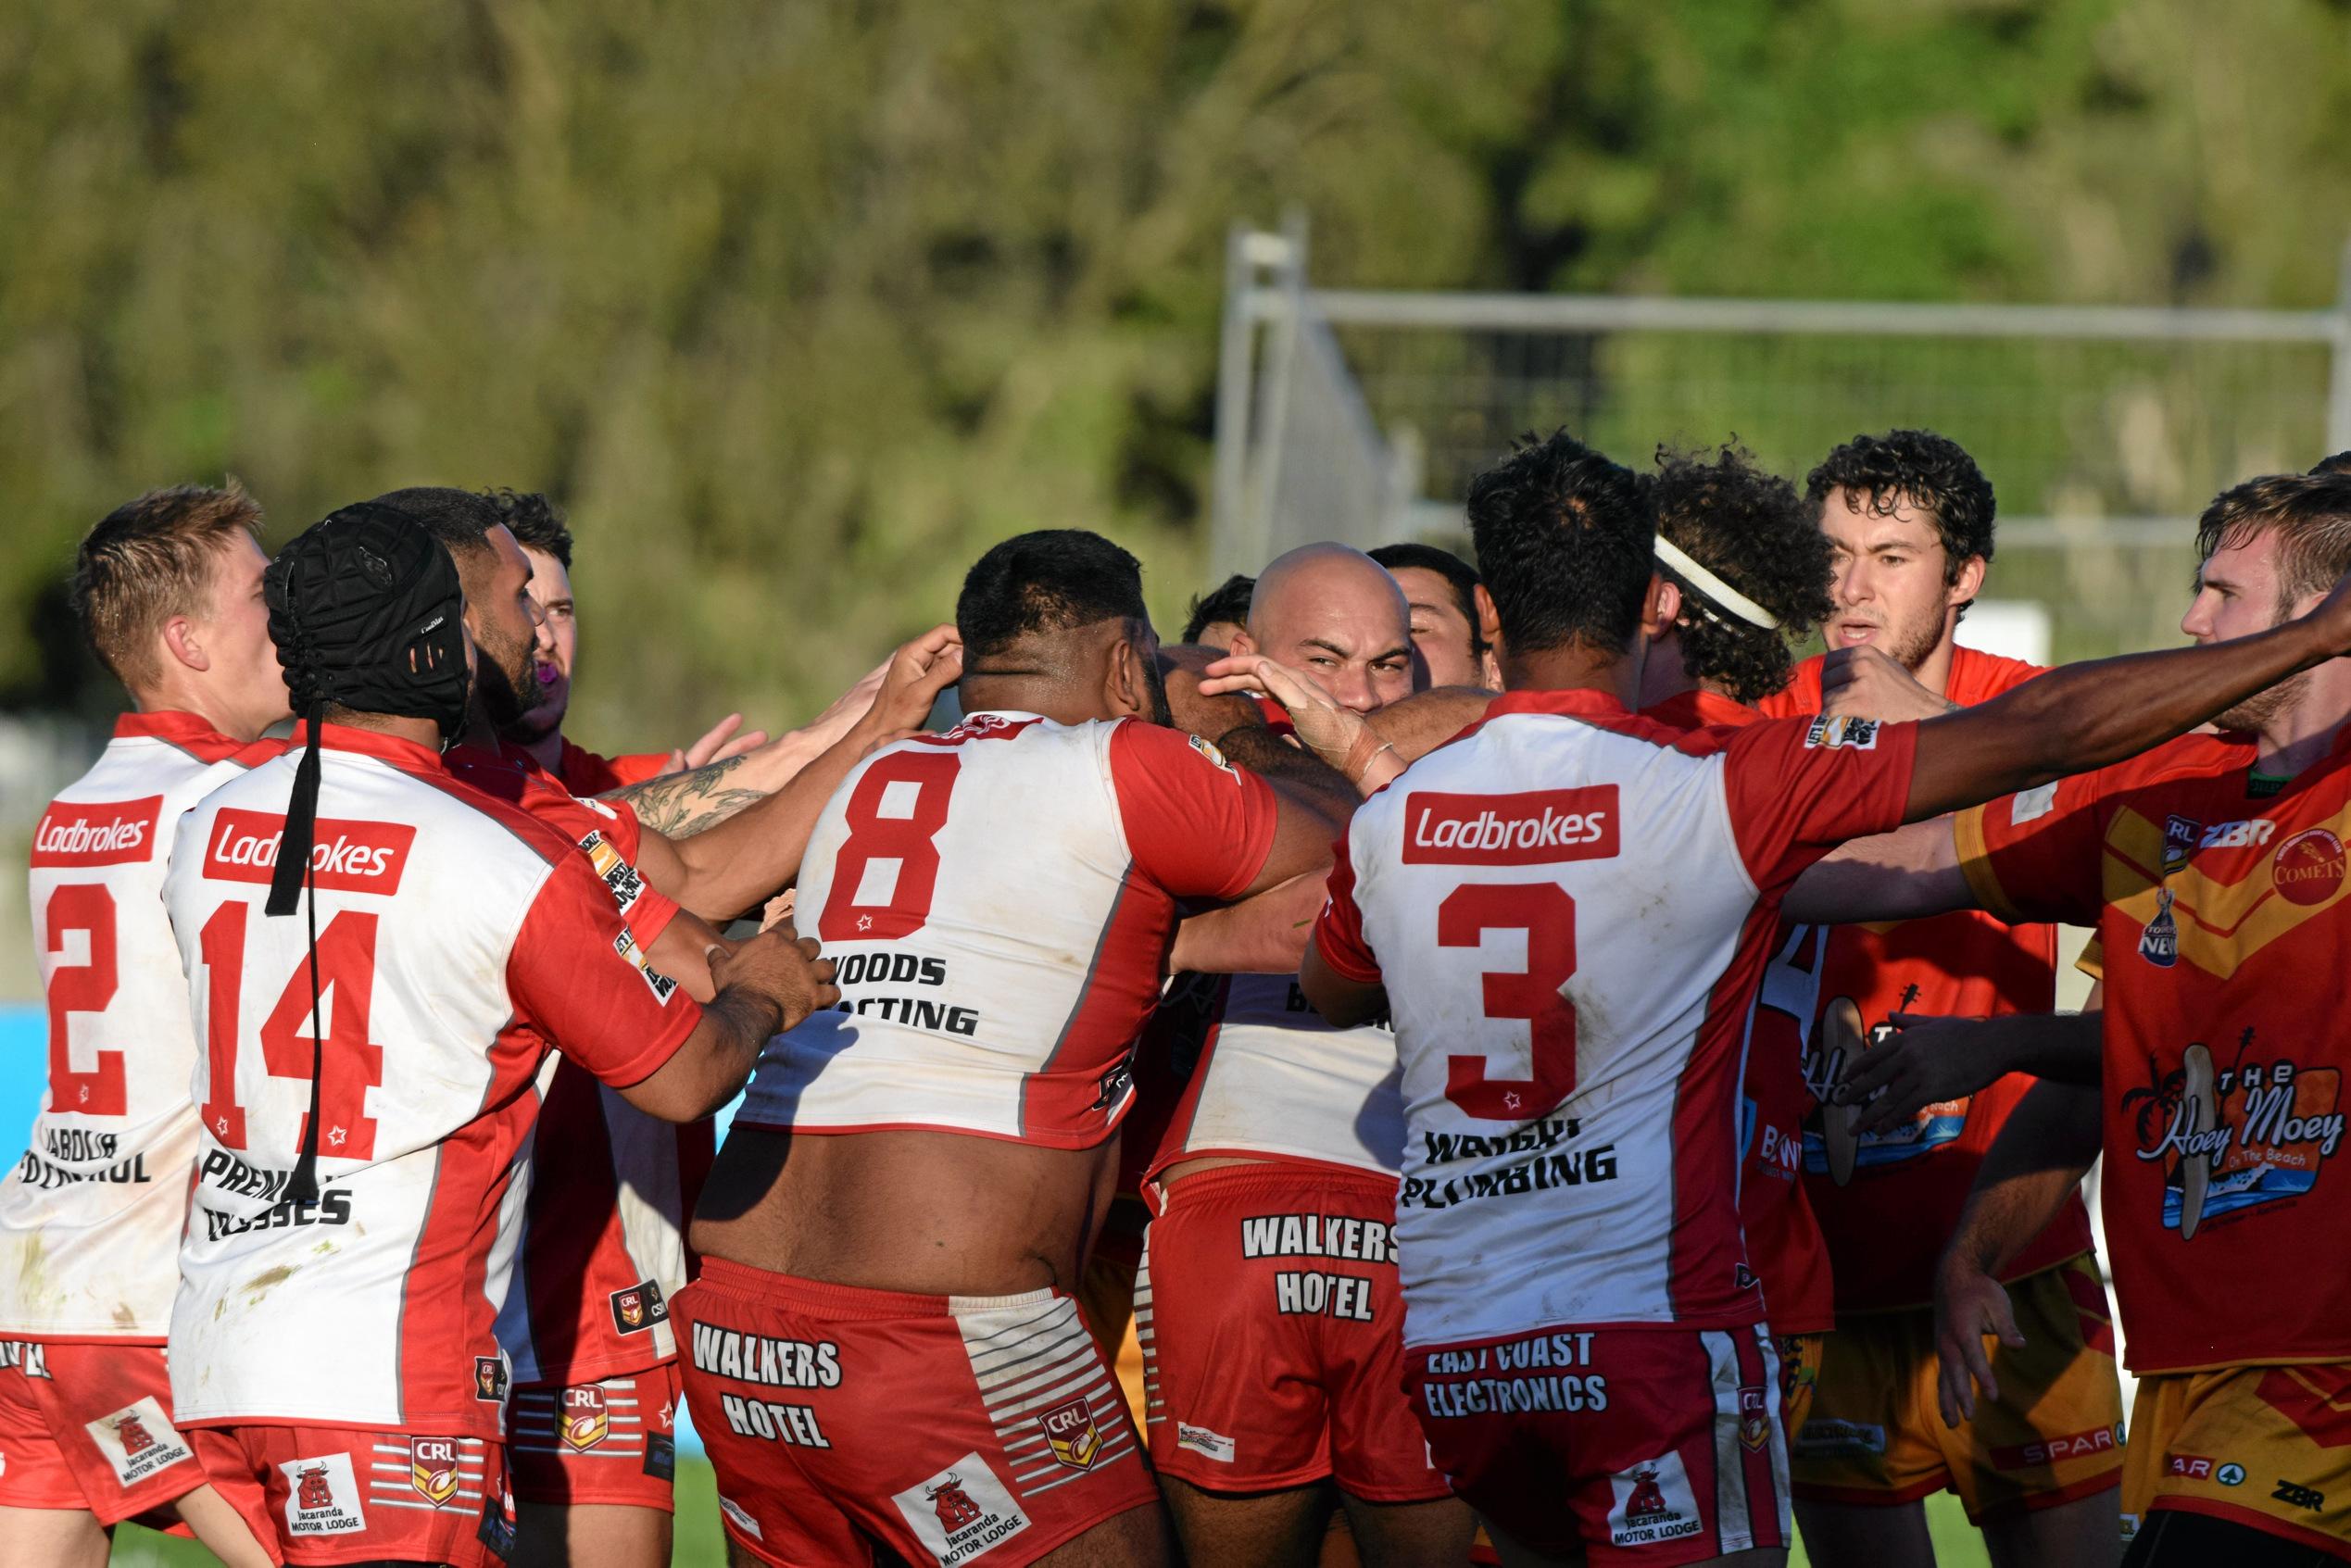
(681, 804)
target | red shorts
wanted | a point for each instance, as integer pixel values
(1288, 1270)
(611, 1441)
(88, 1426)
(328, 1494)
(1650, 1445)
(945, 1426)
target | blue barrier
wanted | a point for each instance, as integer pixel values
(24, 1076)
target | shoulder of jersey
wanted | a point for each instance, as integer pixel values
(1980, 676)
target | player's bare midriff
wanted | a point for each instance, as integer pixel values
(932, 1213)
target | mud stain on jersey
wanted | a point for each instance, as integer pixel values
(260, 1285)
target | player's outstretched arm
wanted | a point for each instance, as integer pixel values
(1266, 934)
(768, 985)
(2044, 1148)
(1343, 1003)
(2084, 716)
(738, 863)
(1369, 749)
(1930, 1060)
(1906, 874)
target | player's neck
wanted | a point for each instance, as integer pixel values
(1663, 675)
(425, 732)
(187, 697)
(2305, 732)
(1934, 671)
(1575, 667)
(547, 751)
(479, 732)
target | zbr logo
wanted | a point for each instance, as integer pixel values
(584, 1421)
(433, 1468)
(1537, 827)
(96, 833)
(346, 857)
(2307, 868)
(1070, 1433)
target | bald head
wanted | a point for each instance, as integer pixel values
(1337, 614)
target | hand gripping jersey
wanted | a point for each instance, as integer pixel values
(1273, 1078)
(1784, 1241)
(997, 902)
(1887, 1201)
(90, 1218)
(603, 1247)
(2228, 969)
(458, 938)
(1570, 908)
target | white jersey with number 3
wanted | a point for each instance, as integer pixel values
(1570, 908)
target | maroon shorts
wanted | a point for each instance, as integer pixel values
(611, 1441)
(1648, 1445)
(333, 1494)
(944, 1427)
(88, 1426)
(1290, 1271)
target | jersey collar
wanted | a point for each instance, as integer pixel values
(171, 724)
(1581, 703)
(405, 754)
(1701, 709)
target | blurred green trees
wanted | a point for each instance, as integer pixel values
(796, 306)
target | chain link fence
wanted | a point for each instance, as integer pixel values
(1361, 416)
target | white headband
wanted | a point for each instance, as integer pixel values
(1714, 588)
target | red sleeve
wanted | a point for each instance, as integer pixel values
(2038, 855)
(1799, 787)
(1339, 930)
(1198, 826)
(636, 768)
(579, 977)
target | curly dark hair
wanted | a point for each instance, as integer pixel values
(1052, 580)
(534, 522)
(1226, 601)
(1932, 473)
(1751, 528)
(1566, 541)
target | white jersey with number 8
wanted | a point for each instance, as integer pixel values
(997, 901)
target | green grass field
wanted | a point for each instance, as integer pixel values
(699, 1546)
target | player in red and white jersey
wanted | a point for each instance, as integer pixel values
(883, 1345)
(1582, 1325)
(1910, 518)
(586, 1323)
(168, 590)
(2212, 870)
(1275, 1183)
(1746, 567)
(344, 1262)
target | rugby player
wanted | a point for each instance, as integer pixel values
(1276, 1182)
(2212, 873)
(1219, 614)
(1745, 568)
(1909, 517)
(167, 592)
(1584, 1335)
(594, 1384)
(1452, 615)
(882, 1346)
(332, 1338)
(721, 775)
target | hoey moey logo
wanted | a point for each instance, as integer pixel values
(1536, 827)
(2230, 1138)
(96, 833)
(345, 857)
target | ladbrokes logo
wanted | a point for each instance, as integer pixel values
(1532, 829)
(347, 855)
(90, 833)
